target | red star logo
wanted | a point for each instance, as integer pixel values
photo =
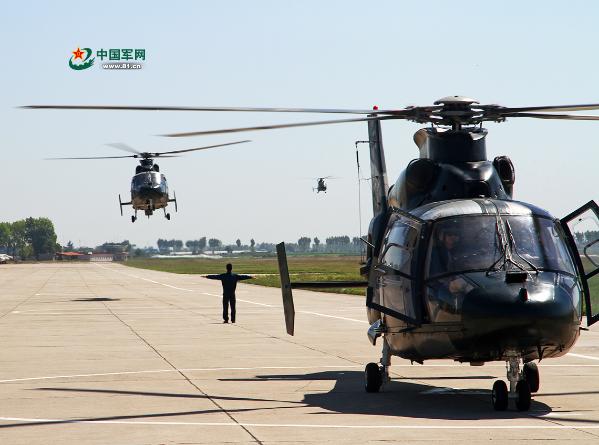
(78, 54)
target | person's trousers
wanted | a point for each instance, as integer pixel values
(228, 300)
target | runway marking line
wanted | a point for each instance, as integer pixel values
(589, 357)
(240, 368)
(257, 368)
(543, 426)
(238, 299)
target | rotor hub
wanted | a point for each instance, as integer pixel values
(456, 100)
(456, 111)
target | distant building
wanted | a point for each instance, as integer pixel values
(101, 257)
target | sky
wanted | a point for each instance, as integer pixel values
(318, 54)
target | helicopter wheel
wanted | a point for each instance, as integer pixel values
(373, 377)
(499, 395)
(531, 375)
(168, 216)
(523, 395)
(133, 218)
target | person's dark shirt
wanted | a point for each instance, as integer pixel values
(229, 281)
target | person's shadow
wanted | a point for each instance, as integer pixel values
(404, 398)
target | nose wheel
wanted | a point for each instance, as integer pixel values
(376, 374)
(373, 375)
(499, 395)
(531, 375)
(523, 396)
(522, 385)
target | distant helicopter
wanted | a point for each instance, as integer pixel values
(456, 269)
(321, 185)
(149, 189)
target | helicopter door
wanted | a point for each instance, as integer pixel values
(582, 229)
(397, 286)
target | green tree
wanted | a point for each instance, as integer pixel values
(214, 244)
(238, 242)
(316, 244)
(202, 244)
(121, 247)
(304, 243)
(18, 239)
(40, 234)
(252, 244)
(5, 236)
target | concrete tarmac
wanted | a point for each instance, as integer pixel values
(107, 354)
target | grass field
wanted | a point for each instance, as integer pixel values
(301, 268)
(265, 270)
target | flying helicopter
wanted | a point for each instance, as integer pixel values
(456, 268)
(321, 185)
(149, 188)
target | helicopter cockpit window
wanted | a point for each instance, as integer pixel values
(401, 240)
(396, 283)
(147, 179)
(540, 242)
(473, 243)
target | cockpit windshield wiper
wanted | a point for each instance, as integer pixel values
(502, 246)
(508, 248)
(514, 250)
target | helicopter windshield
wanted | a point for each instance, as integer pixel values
(147, 179)
(473, 243)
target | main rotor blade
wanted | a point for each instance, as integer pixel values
(549, 108)
(572, 117)
(160, 154)
(272, 127)
(124, 147)
(163, 108)
(92, 157)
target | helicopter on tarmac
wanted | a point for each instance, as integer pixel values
(456, 269)
(149, 189)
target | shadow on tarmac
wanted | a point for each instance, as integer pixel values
(403, 398)
(217, 408)
(399, 398)
(97, 299)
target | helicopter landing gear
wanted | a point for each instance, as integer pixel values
(134, 217)
(520, 386)
(149, 210)
(499, 395)
(376, 375)
(373, 375)
(531, 375)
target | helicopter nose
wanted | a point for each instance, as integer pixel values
(521, 318)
